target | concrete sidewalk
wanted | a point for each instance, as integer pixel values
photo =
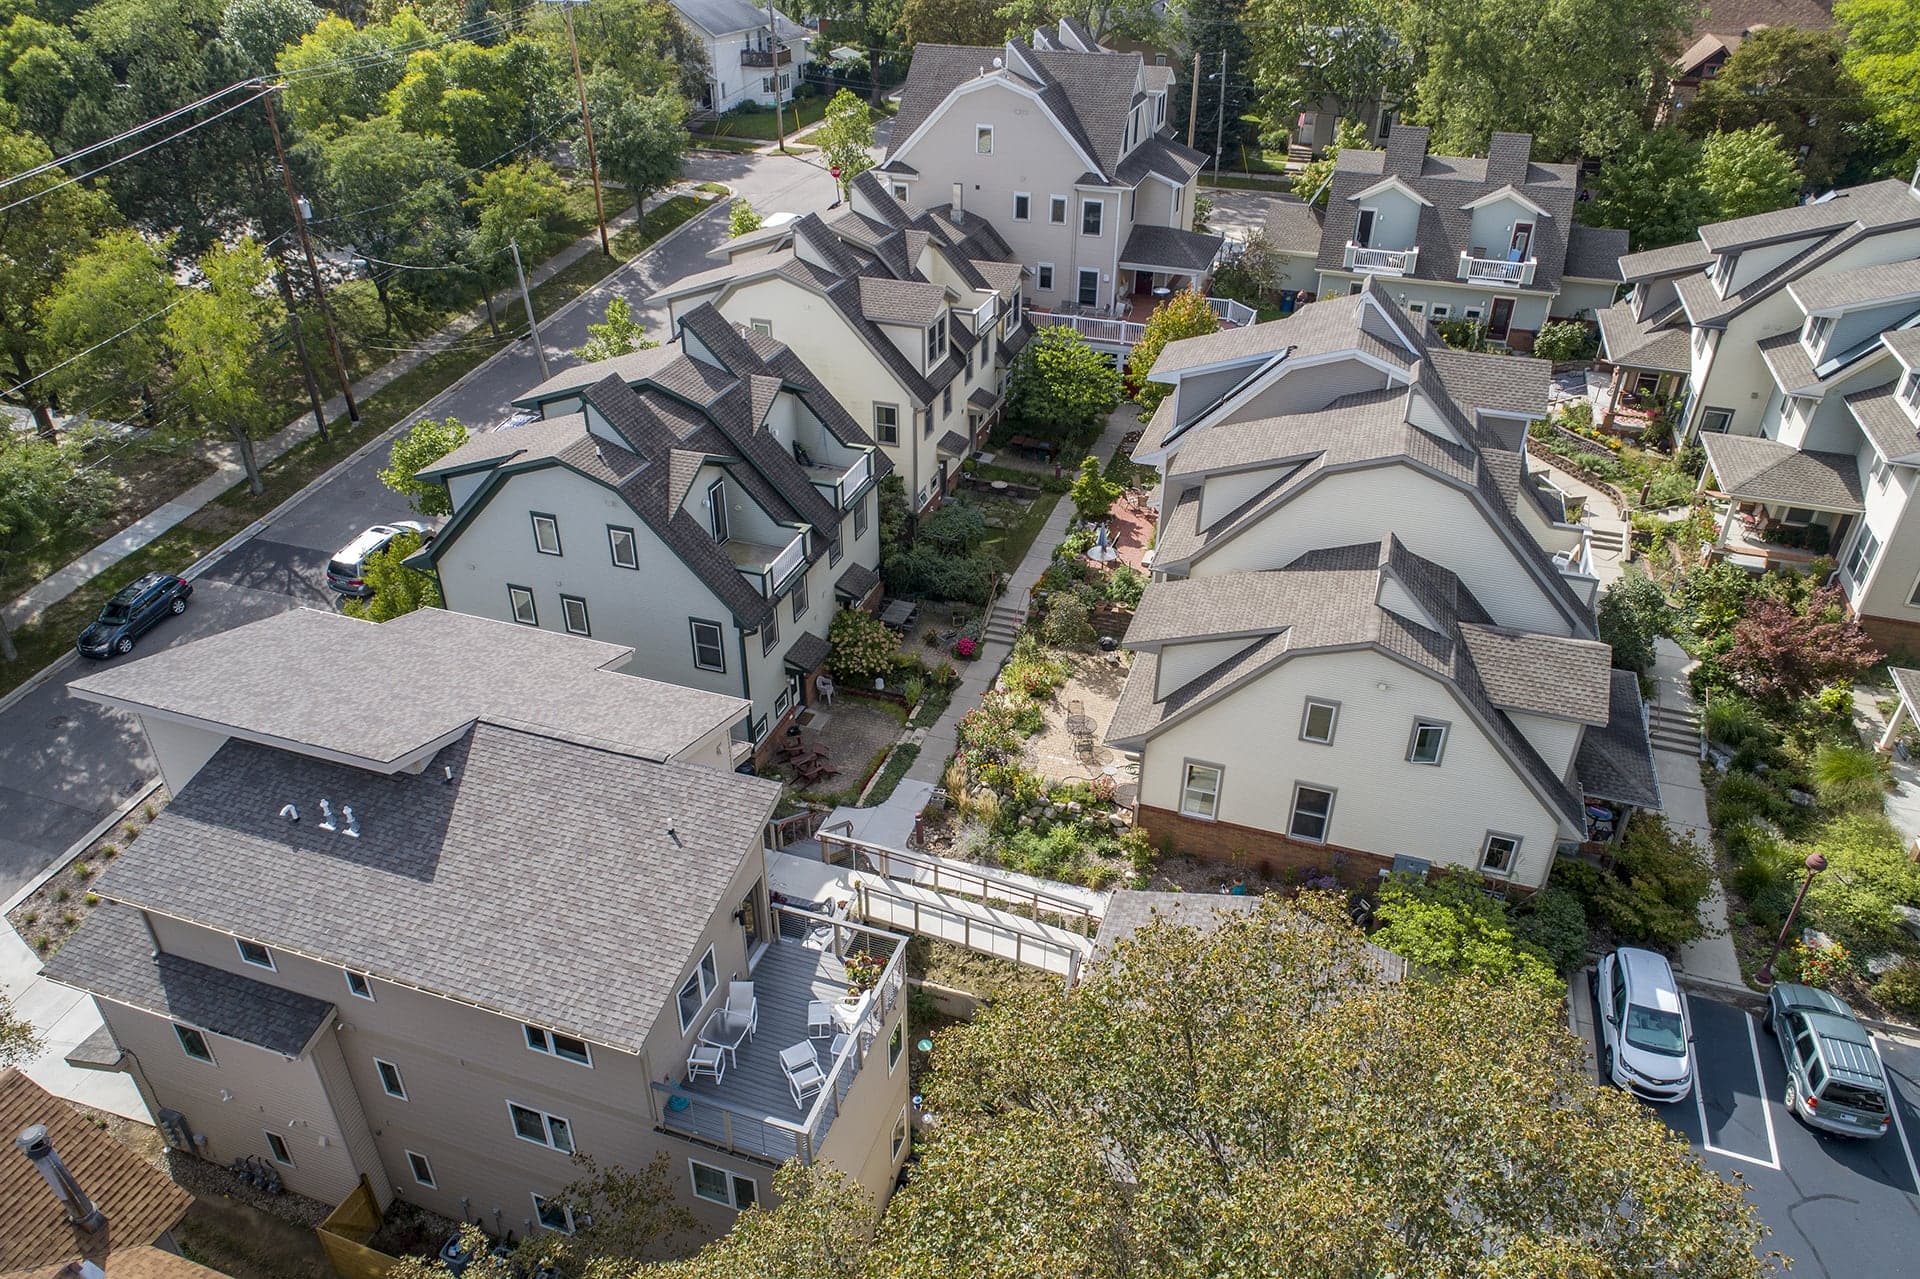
(65, 581)
(63, 1018)
(1712, 958)
(940, 740)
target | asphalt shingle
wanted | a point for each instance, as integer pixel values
(1756, 469)
(1615, 763)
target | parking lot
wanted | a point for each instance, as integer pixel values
(1836, 1206)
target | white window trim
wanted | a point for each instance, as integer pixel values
(566, 616)
(514, 595)
(240, 944)
(706, 992)
(901, 1136)
(762, 327)
(277, 1146)
(1909, 390)
(1047, 284)
(732, 1199)
(180, 1033)
(547, 1048)
(1513, 858)
(539, 1201)
(1413, 741)
(1333, 725)
(1726, 423)
(399, 1080)
(613, 546)
(546, 1126)
(413, 1169)
(1186, 784)
(1100, 218)
(983, 133)
(1017, 197)
(1293, 811)
(365, 980)
(1362, 210)
(1061, 203)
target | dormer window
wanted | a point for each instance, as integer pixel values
(937, 342)
(1910, 392)
(983, 139)
(717, 510)
(1814, 336)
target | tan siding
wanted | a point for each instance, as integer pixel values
(335, 1081)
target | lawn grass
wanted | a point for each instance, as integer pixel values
(758, 126)
(891, 773)
(51, 633)
(1016, 539)
(733, 146)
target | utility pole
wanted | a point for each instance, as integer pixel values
(1193, 100)
(586, 123)
(533, 325)
(773, 39)
(1220, 114)
(300, 349)
(313, 265)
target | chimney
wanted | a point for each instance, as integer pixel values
(1507, 157)
(1407, 150)
(959, 202)
(37, 1146)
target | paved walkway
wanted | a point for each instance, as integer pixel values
(940, 740)
(64, 582)
(63, 1017)
(1712, 958)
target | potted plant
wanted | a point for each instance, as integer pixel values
(863, 972)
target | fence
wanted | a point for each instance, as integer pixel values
(344, 1235)
(942, 875)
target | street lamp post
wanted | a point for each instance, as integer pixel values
(1815, 864)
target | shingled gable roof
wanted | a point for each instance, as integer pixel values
(1334, 599)
(1451, 183)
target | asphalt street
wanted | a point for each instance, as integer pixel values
(66, 764)
(1835, 1206)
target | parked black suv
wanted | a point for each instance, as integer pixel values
(132, 612)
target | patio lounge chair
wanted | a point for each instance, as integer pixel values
(742, 1003)
(802, 1070)
(709, 1060)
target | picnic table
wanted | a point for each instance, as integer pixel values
(1031, 444)
(813, 770)
(899, 614)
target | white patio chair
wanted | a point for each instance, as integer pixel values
(820, 1023)
(802, 1070)
(709, 1060)
(741, 1003)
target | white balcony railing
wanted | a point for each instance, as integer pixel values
(1094, 328)
(1372, 261)
(852, 478)
(1513, 275)
(769, 574)
(1235, 314)
(793, 557)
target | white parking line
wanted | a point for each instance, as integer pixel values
(1893, 1108)
(1760, 1081)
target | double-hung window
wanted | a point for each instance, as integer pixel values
(1498, 853)
(886, 423)
(799, 597)
(1057, 209)
(697, 989)
(555, 1044)
(1200, 791)
(717, 1185)
(709, 654)
(1022, 206)
(1910, 391)
(390, 1081)
(860, 517)
(622, 546)
(983, 139)
(1428, 743)
(946, 401)
(937, 341)
(1312, 813)
(1860, 560)
(541, 1128)
(546, 534)
(1091, 211)
(1043, 277)
(770, 633)
(1317, 721)
(1719, 421)
(573, 611)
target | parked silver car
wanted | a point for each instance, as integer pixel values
(346, 571)
(1834, 1081)
(1646, 1040)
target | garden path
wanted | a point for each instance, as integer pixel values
(1712, 958)
(976, 679)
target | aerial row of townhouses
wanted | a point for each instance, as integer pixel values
(438, 941)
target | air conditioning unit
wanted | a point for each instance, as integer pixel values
(173, 1127)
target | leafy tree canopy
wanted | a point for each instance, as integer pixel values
(425, 443)
(45, 491)
(105, 298)
(977, 22)
(1796, 81)
(1448, 924)
(1651, 190)
(641, 138)
(519, 203)
(1060, 386)
(1093, 494)
(214, 338)
(258, 30)
(1632, 614)
(391, 195)
(365, 63)
(18, 1041)
(617, 334)
(486, 100)
(1312, 182)
(1781, 653)
(845, 137)
(1748, 171)
(1883, 53)
(1184, 315)
(397, 589)
(742, 218)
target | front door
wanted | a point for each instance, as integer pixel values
(1363, 228)
(1500, 319)
(796, 689)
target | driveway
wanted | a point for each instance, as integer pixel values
(1837, 1207)
(66, 764)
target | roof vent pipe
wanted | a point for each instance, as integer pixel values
(446, 775)
(35, 1143)
(291, 813)
(353, 823)
(326, 816)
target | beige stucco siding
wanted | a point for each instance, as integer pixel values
(1383, 804)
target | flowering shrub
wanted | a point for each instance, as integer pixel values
(966, 648)
(859, 645)
(1822, 966)
(863, 970)
(944, 676)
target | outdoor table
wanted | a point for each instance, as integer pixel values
(898, 614)
(998, 486)
(1163, 292)
(1080, 726)
(720, 1032)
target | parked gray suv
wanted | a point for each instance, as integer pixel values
(1834, 1081)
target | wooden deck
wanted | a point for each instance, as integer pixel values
(751, 1111)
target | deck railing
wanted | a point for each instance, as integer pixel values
(1371, 261)
(1094, 328)
(1238, 314)
(1496, 271)
(942, 875)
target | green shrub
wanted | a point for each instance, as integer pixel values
(1868, 873)
(1652, 893)
(1068, 622)
(954, 527)
(1737, 722)
(1447, 925)
(1671, 487)
(860, 647)
(1899, 987)
(1565, 340)
(1741, 795)
(1849, 777)
(925, 570)
(1555, 921)
(1125, 586)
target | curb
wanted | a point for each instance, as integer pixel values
(253, 530)
(79, 846)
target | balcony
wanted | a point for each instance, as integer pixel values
(750, 1111)
(765, 57)
(840, 486)
(1496, 271)
(767, 567)
(1096, 329)
(1371, 261)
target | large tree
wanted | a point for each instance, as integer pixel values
(105, 315)
(1060, 387)
(259, 29)
(1257, 1100)
(1211, 29)
(1184, 315)
(952, 22)
(425, 443)
(516, 204)
(1310, 50)
(1795, 81)
(645, 42)
(1651, 190)
(50, 222)
(340, 73)
(486, 100)
(1517, 65)
(641, 138)
(1883, 53)
(1747, 171)
(46, 490)
(845, 137)
(218, 358)
(392, 196)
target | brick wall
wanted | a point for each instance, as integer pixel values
(1259, 852)
(1892, 635)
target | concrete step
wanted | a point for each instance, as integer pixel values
(1004, 623)
(1611, 540)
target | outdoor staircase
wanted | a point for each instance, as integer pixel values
(1004, 623)
(1674, 730)
(1607, 540)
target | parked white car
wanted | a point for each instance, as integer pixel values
(1646, 1040)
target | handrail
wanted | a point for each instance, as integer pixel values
(1070, 956)
(880, 859)
(1496, 270)
(1096, 328)
(1367, 258)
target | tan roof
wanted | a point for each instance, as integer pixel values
(140, 1202)
(142, 1261)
